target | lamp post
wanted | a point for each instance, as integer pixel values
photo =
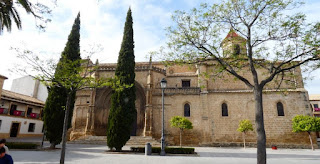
(163, 84)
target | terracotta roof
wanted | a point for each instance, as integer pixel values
(20, 97)
(314, 97)
(1, 76)
(232, 34)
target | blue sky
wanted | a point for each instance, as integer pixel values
(102, 23)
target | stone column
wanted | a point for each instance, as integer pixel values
(203, 84)
(148, 111)
(90, 114)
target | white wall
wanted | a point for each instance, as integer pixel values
(26, 85)
(42, 92)
(24, 125)
(23, 85)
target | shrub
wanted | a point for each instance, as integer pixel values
(21, 145)
(169, 150)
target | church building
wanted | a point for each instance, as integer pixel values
(215, 106)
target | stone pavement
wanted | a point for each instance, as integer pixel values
(95, 154)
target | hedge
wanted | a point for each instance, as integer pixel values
(169, 150)
(21, 145)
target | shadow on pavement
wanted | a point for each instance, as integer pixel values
(254, 155)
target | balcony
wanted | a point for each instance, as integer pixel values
(183, 90)
(34, 115)
(17, 113)
(4, 111)
(317, 109)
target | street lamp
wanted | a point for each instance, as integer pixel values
(163, 84)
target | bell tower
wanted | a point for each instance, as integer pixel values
(234, 45)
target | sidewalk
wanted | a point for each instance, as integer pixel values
(95, 154)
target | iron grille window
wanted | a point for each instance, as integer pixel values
(280, 109)
(31, 127)
(224, 107)
(186, 110)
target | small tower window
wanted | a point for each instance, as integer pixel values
(224, 107)
(236, 50)
(280, 109)
(186, 110)
(185, 83)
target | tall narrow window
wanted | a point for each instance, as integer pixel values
(280, 109)
(29, 111)
(31, 127)
(186, 110)
(315, 106)
(13, 108)
(224, 107)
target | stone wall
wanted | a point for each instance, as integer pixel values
(211, 128)
(205, 97)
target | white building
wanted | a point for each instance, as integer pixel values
(28, 86)
(20, 115)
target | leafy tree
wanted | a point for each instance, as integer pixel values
(57, 97)
(301, 123)
(244, 127)
(66, 77)
(122, 112)
(276, 44)
(181, 123)
(8, 12)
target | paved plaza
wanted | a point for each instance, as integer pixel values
(95, 154)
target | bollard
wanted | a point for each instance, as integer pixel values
(148, 149)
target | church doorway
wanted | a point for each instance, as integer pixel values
(103, 105)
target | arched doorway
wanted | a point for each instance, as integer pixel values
(102, 108)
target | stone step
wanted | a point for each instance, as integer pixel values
(133, 141)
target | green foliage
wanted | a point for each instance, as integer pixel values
(21, 145)
(122, 112)
(245, 126)
(301, 123)
(169, 150)
(181, 123)
(8, 12)
(66, 80)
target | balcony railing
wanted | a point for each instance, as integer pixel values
(18, 113)
(184, 90)
(34, 115)
(4, 111)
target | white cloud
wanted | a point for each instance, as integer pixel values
(102, 23)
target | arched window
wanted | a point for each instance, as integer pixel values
(224, 107)
(236, 50)
(280, 109)
(186, 110)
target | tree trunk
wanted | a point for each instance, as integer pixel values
(244, 140)
(261, 135)
(310, 140)
(52, 145)
(65, 127)
(180, 138)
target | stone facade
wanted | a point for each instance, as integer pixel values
(205, 96)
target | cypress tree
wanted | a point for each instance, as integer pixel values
(54, 112)
(123, 113)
